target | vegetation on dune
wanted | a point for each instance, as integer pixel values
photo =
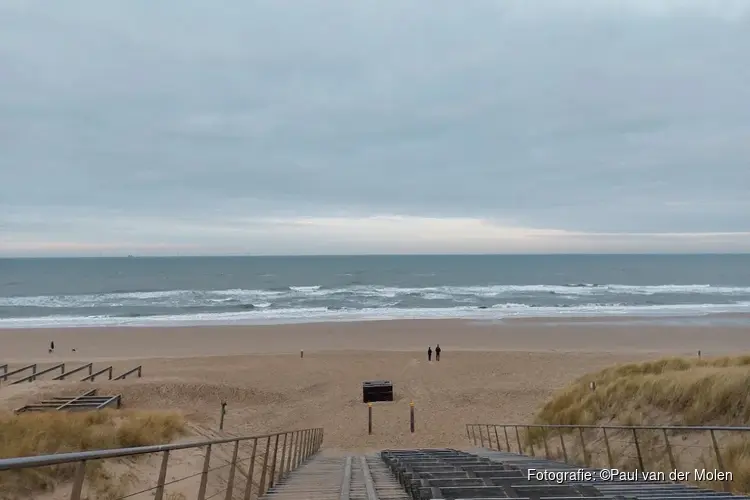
(686, 391)
(666, 392)
(59, 432)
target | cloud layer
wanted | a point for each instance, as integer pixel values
(415, 126)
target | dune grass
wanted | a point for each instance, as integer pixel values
(666, 392)
(59, 432)
(684, 391)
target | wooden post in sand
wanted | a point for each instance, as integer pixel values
(369, 418)
(411, 416)
(223, 412)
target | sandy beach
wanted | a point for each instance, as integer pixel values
(488, 372)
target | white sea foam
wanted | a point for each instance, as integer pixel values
(190, 298)
(318, 314)
(303, 289)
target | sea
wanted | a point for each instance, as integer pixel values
(169, 291)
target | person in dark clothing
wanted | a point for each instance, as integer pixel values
(437, 353)
(52, 346)
(429, 353)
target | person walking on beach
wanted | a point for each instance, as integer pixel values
(52, 346)
(429, 353)
(437, 353)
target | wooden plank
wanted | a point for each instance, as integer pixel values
(109, 401)
(369, 485)
(92, 392)
(346, 482)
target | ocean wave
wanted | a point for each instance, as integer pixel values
(192, 298)
(318, 314)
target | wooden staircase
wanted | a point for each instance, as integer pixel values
(339, 478)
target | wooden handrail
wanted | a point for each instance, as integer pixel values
(62, 376)
(93, 376)
(130, 372)
(7, 374)
(33, 376)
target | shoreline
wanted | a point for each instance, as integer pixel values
(158, 322)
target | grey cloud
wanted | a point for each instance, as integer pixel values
(584, 116)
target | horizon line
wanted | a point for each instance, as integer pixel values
(533, 254)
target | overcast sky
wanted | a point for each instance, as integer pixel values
(371, 126)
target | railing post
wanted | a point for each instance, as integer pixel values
(204, 474)
(562, 445)
(531, 443)
(672, 463)
(719, 461)
(507, 441)
(298, 448)
(546, 446)
(489, 437)
(271, 477)
(292, 439)
(468, 436)
(80, 474)
(609, 450)
(497, 439)
(474, 434)
(481, 436)
(638, 450)
(583, 446)
(518, 438)
(232, 467)
(159, 494)
(262, 485)
(251, 470)
(283, 457)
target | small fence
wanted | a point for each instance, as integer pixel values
(5, 373)
(722, 453)
(136, 370)
(33, 376)
(8, 373)
(252, 465)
